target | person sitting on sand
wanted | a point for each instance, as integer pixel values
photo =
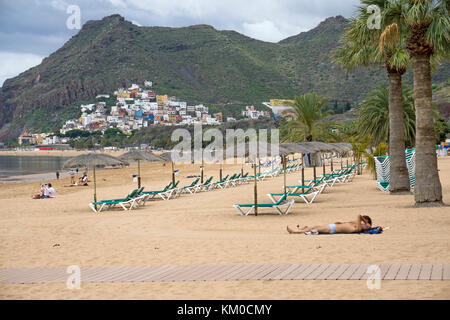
(362, 223)
(49, 192)
(83, 181)
(40, 195)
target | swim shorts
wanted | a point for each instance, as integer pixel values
(333, 228)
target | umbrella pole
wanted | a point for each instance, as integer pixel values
(201, 170)
(331, 163)
(341, 159)
(256, 191)
(139, 174)
(303, 173)
(220, 178)
(259, 168)
(95, 189)
(323, 163)
(284, 167)
(314, 166)
(173, 174)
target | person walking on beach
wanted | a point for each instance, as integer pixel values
(362, 223)
(57, 174)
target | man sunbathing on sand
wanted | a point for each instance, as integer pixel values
(361, 223)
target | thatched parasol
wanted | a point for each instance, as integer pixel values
(94, 160)
(138, 155)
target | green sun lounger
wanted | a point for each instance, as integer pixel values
(165, 193)
(129, 202)
(308, 196)
(189, 188)
(282, 202)
(203, 186)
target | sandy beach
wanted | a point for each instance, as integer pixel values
(205, 229)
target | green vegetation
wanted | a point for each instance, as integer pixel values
(300, 121)
(374, 117)
(222, 69)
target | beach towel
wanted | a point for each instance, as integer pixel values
(375, 230)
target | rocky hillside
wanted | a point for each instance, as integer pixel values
(196, 63)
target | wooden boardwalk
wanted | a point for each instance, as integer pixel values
(228, 273)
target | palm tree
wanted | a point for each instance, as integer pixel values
(374, 115)
(362, 48)
(306, 111)
(427, 24)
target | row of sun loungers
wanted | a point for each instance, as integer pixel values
(307, 193)
(139, 197)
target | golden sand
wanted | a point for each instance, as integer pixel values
(205, 229)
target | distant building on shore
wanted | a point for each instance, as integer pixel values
(278, 106)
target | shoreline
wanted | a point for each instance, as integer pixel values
(56, 153)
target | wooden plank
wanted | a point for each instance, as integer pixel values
(106, 274)
(300, 274)
(174, 273)
(359, 272)
(223, 270)
(317, 272)
(244, 273)
(337, 273)
(208, 271)
(23, 276)
(402, 273)
(237, 271)
(414, 272)
(384, 270)
(326, 273)
(348, 273)
(437, 272)
(366, 274)
(162, 271)
(145, 271)
(425, 272)
(446, 272)
(227, 273)
(148, 273)
(276, 272)
(194, 274)
(91, 273)
(129, 276)
(257, 275)
(392, 273)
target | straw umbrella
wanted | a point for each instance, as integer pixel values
(94, 160)
(137, 155)
(262, 149)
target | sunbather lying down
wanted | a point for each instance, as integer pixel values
(361, 224)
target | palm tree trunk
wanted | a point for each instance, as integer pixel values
(399, 178)
(428, 189)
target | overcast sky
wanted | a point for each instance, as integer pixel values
(32, 29)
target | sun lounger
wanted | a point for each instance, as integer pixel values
(129, 202)
(165, 193)
(189, 188)
(203, 186)
(277, 206)
(217, 184)
(308, 196)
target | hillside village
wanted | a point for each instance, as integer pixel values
(135, 108)
(138, 108)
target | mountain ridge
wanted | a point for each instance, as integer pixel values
(197, 63)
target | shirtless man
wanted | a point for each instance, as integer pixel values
(361, 223)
